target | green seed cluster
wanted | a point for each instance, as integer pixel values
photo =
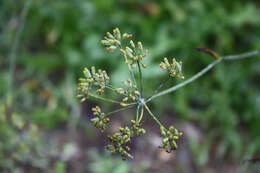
(136, 127)
(119, 140)
(99, 79)
(112, 41)
(174, 69)
(169, 138)
(131, 93)
(134, 54)
(101, 120)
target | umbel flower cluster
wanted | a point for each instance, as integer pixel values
(119, 140)
(169, 137)
(174, 69)
(100, 121)
(130, 92)
(96, 82)
(99, 79)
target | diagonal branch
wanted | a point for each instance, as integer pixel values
(119, 110)
(242, 56)
(203, 71)
(152, 115)
(109, 100)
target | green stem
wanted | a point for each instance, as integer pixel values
(167, 91)
(111, 88)
(242, 56)
(110, 100)
(130, 70)
(142, 113)
(104, 99)
(137, 113)
(140, 77)
(153, 116)
(203, 71)
(121, 109)
(132, 75)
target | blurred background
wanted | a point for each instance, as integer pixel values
(45, 44)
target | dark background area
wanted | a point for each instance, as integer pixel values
(46, 129)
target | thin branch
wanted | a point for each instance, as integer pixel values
(110, 100)
(104, 99)
(130, 70)
(203, 71)
(167, 91)
(142, 113)
(113, 89)
(132, 75)
(152, 115)
(137, 113)
(140, 78)
(121, 109)
(242, 56)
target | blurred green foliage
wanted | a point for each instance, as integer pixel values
(107, 164)
(61, 37)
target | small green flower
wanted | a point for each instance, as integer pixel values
(136, 127)
(131, 93)
(134, 54)
(119, 142)
(174, 69)
(113, 41)
(169, 138)
(126, 36)
(101, 120)
(92, 78)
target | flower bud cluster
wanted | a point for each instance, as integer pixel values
(169, 138)
(119, 140)
(112, 41)
(99, 79)
(174, 69)
(134, 54)
(101, 120)
(131, 93)
(136, 127)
